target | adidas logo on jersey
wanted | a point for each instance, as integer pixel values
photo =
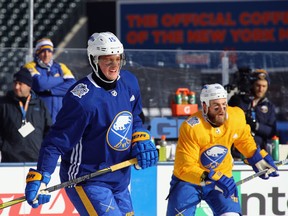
(132, 98)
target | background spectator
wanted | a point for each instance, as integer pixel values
(24, 121)
(51, 80)
(259, 110)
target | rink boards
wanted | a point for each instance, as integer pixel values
(149, 188)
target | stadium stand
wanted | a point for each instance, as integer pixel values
(52, 18)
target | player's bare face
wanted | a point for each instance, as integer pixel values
(110, 66)
(21, 89)
(260, 88)
(45, 56)
(217, 111)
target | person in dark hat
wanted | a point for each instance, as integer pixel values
(51, 80)
(259, 110)
(22, 83)
(24, 121)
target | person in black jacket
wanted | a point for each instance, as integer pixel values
(259, 110)
(24, 121)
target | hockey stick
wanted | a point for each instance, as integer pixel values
(255, 175)
(76, 181)
(260, 173)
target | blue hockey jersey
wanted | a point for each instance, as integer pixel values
(93, 131)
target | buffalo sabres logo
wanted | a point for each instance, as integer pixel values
(80, 90)
(212, 157)
(120, 132)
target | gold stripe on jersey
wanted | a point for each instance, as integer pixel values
(31, 66)
(85, 200)
(66, 71)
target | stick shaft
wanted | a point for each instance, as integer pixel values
(92, 175)
(12, 202)
(75, 181)
(260, 173)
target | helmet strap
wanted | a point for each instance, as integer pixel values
(205, 110)
(98, 71)
(207, 119)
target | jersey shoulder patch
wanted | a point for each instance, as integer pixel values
(194, 120)
(80, 90)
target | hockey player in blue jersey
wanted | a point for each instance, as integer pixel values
(93, 130)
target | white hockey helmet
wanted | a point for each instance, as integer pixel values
(212, 92)
(104, 43)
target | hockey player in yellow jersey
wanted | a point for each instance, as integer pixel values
(203, 162)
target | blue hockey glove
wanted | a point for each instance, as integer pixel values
(36, 182)
(227, 185)
(144, 149)
(261, 160)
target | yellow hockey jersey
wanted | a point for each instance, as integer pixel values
(201, 146)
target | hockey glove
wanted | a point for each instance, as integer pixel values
(227, 185)
(144, 149)
(261, 160)
(36, 182)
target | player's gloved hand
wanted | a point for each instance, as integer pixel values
(36, 182)
(261, 160)
(227, 185)
(144, 149)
